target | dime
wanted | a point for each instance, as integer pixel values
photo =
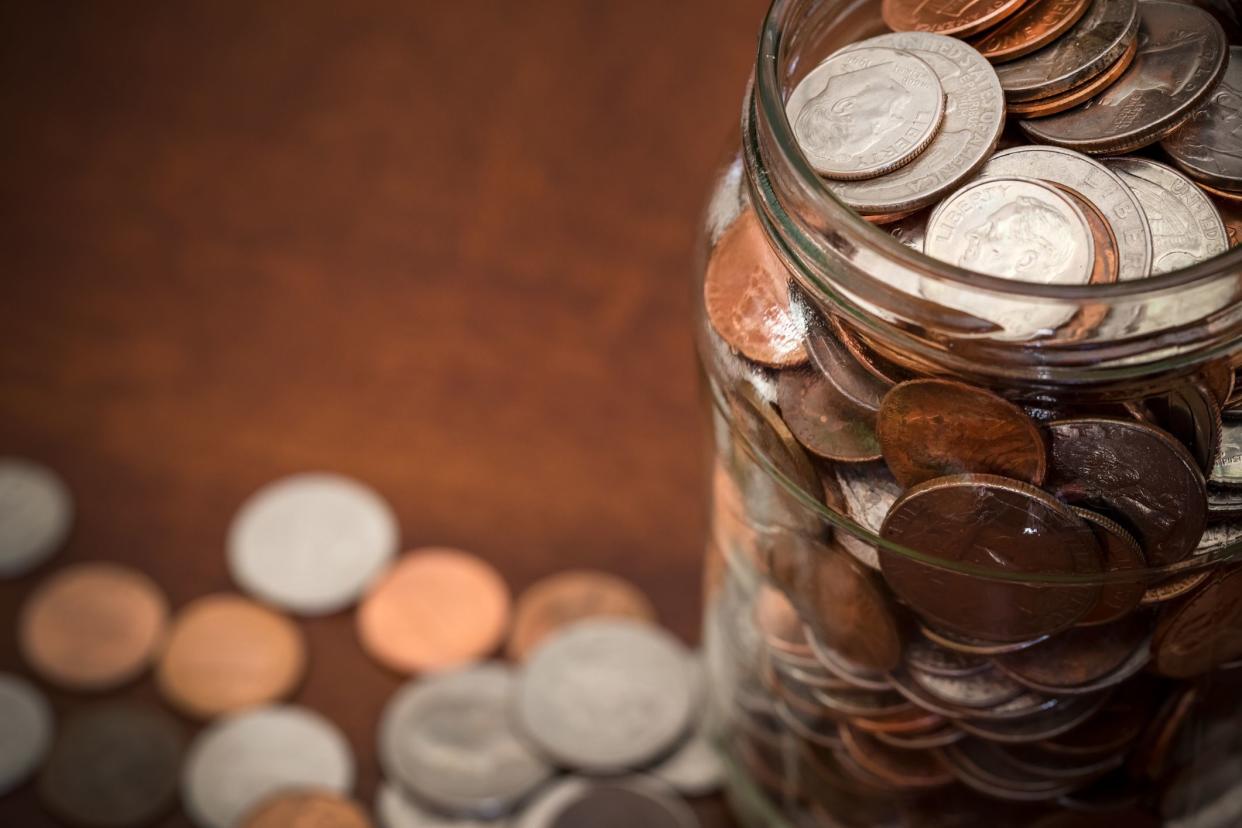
(1204, 631)
(113, 764)
(865, 112)
(1078, 656)
(606, 695)
(1122, 553)
(1227, 471)
(434, 609)
(241, 760)
(1181, 58)
(561, 599)
(1062, 718)
(36, 513)
(93, 626)
(1070, 98)
(824, 420)
(1208, 145)
(225, 652)
(966, 520)
(25, 730)
(624, 804)
(930, 428)
(320, 809)
(973, 120)
(908, 770)
(859, 385)
(393, 809)
(946, 17)
(1035, 25)
(311, 543)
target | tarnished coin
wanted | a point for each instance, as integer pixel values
(606, 695)
(985, 689)
(1191, 414)
(866, 112)
(1036, 24)
(931, 427)
(869, 492)
(973, 120)
(448, 740)
(1135, 473)
(946, 17)
(926, 656)
(904, 769)
(434, 609)
(393, 809)
(1202, 632)
(1079, 656)
(1122, 553)
(307, 809)
(311, 543)
(1185, 226)
(824, 420)
(113, 765)
(1036, 760)
(36, 513)
(976, 646)
(1231, 213)
(771, 439)
(990, 524)
(25, 730)
(561, 599)
(93, 626)
(1181, 59)
(838, 664)
(1227, 471)
(746, 293)
(225, 652)
(1209, 145)
(1115, 727)
(1070, 98)
(241, 760)
(861, 386)
(1063, 717)
(623, 804)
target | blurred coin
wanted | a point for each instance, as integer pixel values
(981, 766)
(241, 760)
(1202, 632)
(1122, 553)
(307, 809)
(561, 599)
(694, 768)
(858, 702)
(36, 513)
(434, 609)
(908, 770)
(1066, 715)
(928, 657)
(625, 803)
(225, 652)
(1036, 24)
(311, 543)
(946, 734)
(1020, 706)
(1079, 656)
(1070, 98)
(393, 809)
(1181, 59)
(824, 420)
(1191, 414)
(768, 437)
(1207, 146)
(986, 688)
(113, 764)
(1223, 504)
(911, 230)
(448, 740)
(869, 492)
(1227, 470)
(907, 722)
(946, 17)
(1153, 752)
(895, 105)
(1035, 760)
(1114, 728)
(843, 371)
(543, 809)
(92, 626)
(976, 646)
(25, 730)
(838, 664)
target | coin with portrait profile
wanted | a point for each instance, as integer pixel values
(1209, 145)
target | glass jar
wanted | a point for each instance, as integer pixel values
(1042, 632)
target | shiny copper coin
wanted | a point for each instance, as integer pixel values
(824, 420)
(947, 17)
(941, 736)
(1228, 196)
(93, 626)
(976, 646)
(1202, 632)
(562, 599)
(931, 428)
(1035, 25)
(1078, 656)
(1107, 255)
(908, 770)
(435, 609)
(307, 809)
(746, 291)
(1170, 589)
(225, 653)
(1122, 553)
(1043, 107)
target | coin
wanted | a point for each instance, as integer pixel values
(36, 513)
(694, 769)
(1206, 147)
(824, 420)
(1115, 727)
(930, 428)
(307, 809)
(973, 120)
(982, 767)
(926, 656)
(1227, 471)
(1152, 752)
(561, 599)
(225, 652)
(1223, 504)
(1072, 97)
(113, 764)
(239, 761)
(946, 17)
(1037, 761)
(1136, 474)
(853, 673)
(865, 112)
(976, 646)
(908, 770)
(987, 688)
(1181, 59)
(92, 626)
(1202, 632)
(547, 804)
(911, 230)
(1231, 213)
(1035, 25)
(1185, 226)
(311, 543)
(1079, 656)
(869, 492)
(1066, 715)
(393, 809)
(25, 730)
(1107, 267)
(843, 371)
(1122, 553)
(962, 520)
(1191, 414)
(768, 437)
(746, 293)
(434, 609)
(606, 695)
(624, 804)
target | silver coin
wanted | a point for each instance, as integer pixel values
(1185, 226)
(606, 695)
(625, 803)
(865, 112)
(1181, 58)
(911, 230)
(239, 761)
(311, 543)
(1096, 42)
(25, 730)
(1137, 660)
(1048, 724)
(448, 740)
(842, 370)
(1209, 145)
(1098, 185)
(973, 120)
(987, 688)
(36, 512)
(694, 769)
(393, 809)
(543, 810)
(929, 657)
(870, 490)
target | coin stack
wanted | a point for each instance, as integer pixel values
(969, 602)
(598, 718)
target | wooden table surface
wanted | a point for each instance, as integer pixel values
(444, 247)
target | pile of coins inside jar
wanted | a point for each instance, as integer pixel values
(596, 719)
(951, 630)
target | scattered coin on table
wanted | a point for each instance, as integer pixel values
(26, 728)
(559, 600)
(36, 514)
(307, 809)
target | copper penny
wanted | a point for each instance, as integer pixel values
(435, 609)
(975, 646)
(93, 626)
(947, 17)
(225, 653)
(1122, 553)
(1081, 655)
(1228, 196)
(1035, 25)
(904, 769)
(1043, 107)
(907, 722)
(930, 428)
(780, 625)
(1231, 213)
(824, 420)
(842, 369)
(982, 767)
(746, 291)
(1152, 753)
(1202, 632)
(307, 809)
(561, 599)
(768, 438)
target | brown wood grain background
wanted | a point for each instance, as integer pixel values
(444, 247)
